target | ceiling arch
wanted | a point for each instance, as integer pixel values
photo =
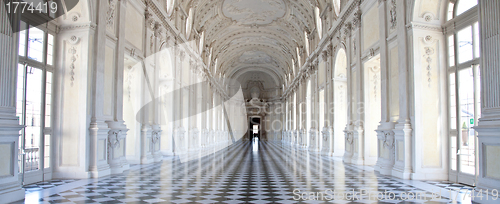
(254, 34)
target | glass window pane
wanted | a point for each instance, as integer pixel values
(20, 93)
(22, 39)
(453, 121)
(451, 50)
(50, 50)
(453, 106)
(450, 11)
(478, 92)
(20, 108)
(465, 50)
(467, 113)
(35, 44)
(46, 157)
(48, 100)
(464, 5)
(453, 152)
(32, 135)
(477, 51)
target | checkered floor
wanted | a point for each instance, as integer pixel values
(248, 172)
(46, 185)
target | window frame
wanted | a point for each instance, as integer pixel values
(30, 20)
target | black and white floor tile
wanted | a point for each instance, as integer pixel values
(246, 172)
(46, 185)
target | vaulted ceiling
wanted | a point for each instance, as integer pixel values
(254, 34)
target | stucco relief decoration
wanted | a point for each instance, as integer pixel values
(254, 12)
(428, 53)
(428, 16)
(257, 57)
(114, 138)
(388, 139)
(356, 21)
(132, 52)
(155, 136)
(354, 46)
(110, 18)
(375, 79)
(341, 93)
(152, 43)
(349, 138)
(74, 16)
(393, 14)
(73, 56)
(325, 135)
(130, 78)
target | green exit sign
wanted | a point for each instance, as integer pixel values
(472, 121)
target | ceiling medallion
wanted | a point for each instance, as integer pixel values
(254, 12)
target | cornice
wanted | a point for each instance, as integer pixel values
(423, 26)
(337, 26)
(91, 26)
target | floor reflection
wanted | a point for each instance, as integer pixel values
(251, 171)
(255, 144)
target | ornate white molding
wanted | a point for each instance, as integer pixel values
(422, 26)
(91, 26)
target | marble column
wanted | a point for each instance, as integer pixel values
(118, 129)
(10, 190)
(403, 130)
(358, 138)
(385, 135)
(489, 123)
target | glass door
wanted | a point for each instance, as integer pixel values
(464, 105)
(33, 110)
(34, 102)
(469, 111)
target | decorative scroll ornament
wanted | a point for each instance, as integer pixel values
(110, 18)
(354, 45)
(388, 139)
(132, 52)
(372, 52)
(393, 13)
(73, 53)
(341, 93)
(428, 53)
(349, 136)
(114, 138)
(152, 43)
(155, 136)
(356, 21)
(375, 71)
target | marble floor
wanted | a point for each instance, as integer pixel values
(248, 172)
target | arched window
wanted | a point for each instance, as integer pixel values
(451, 6)
(465, 5)
(336, 7)
(306, 40)
(202, 41)
(215, 65)
(319, 26)
(170, 6)
(189, 23)
(459, 7)
(464, 75)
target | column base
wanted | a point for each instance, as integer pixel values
(12, 193)
(120, 169)
(400, 173)
(357, 160)
(147, 160)
(97, 173)
(384, 169)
